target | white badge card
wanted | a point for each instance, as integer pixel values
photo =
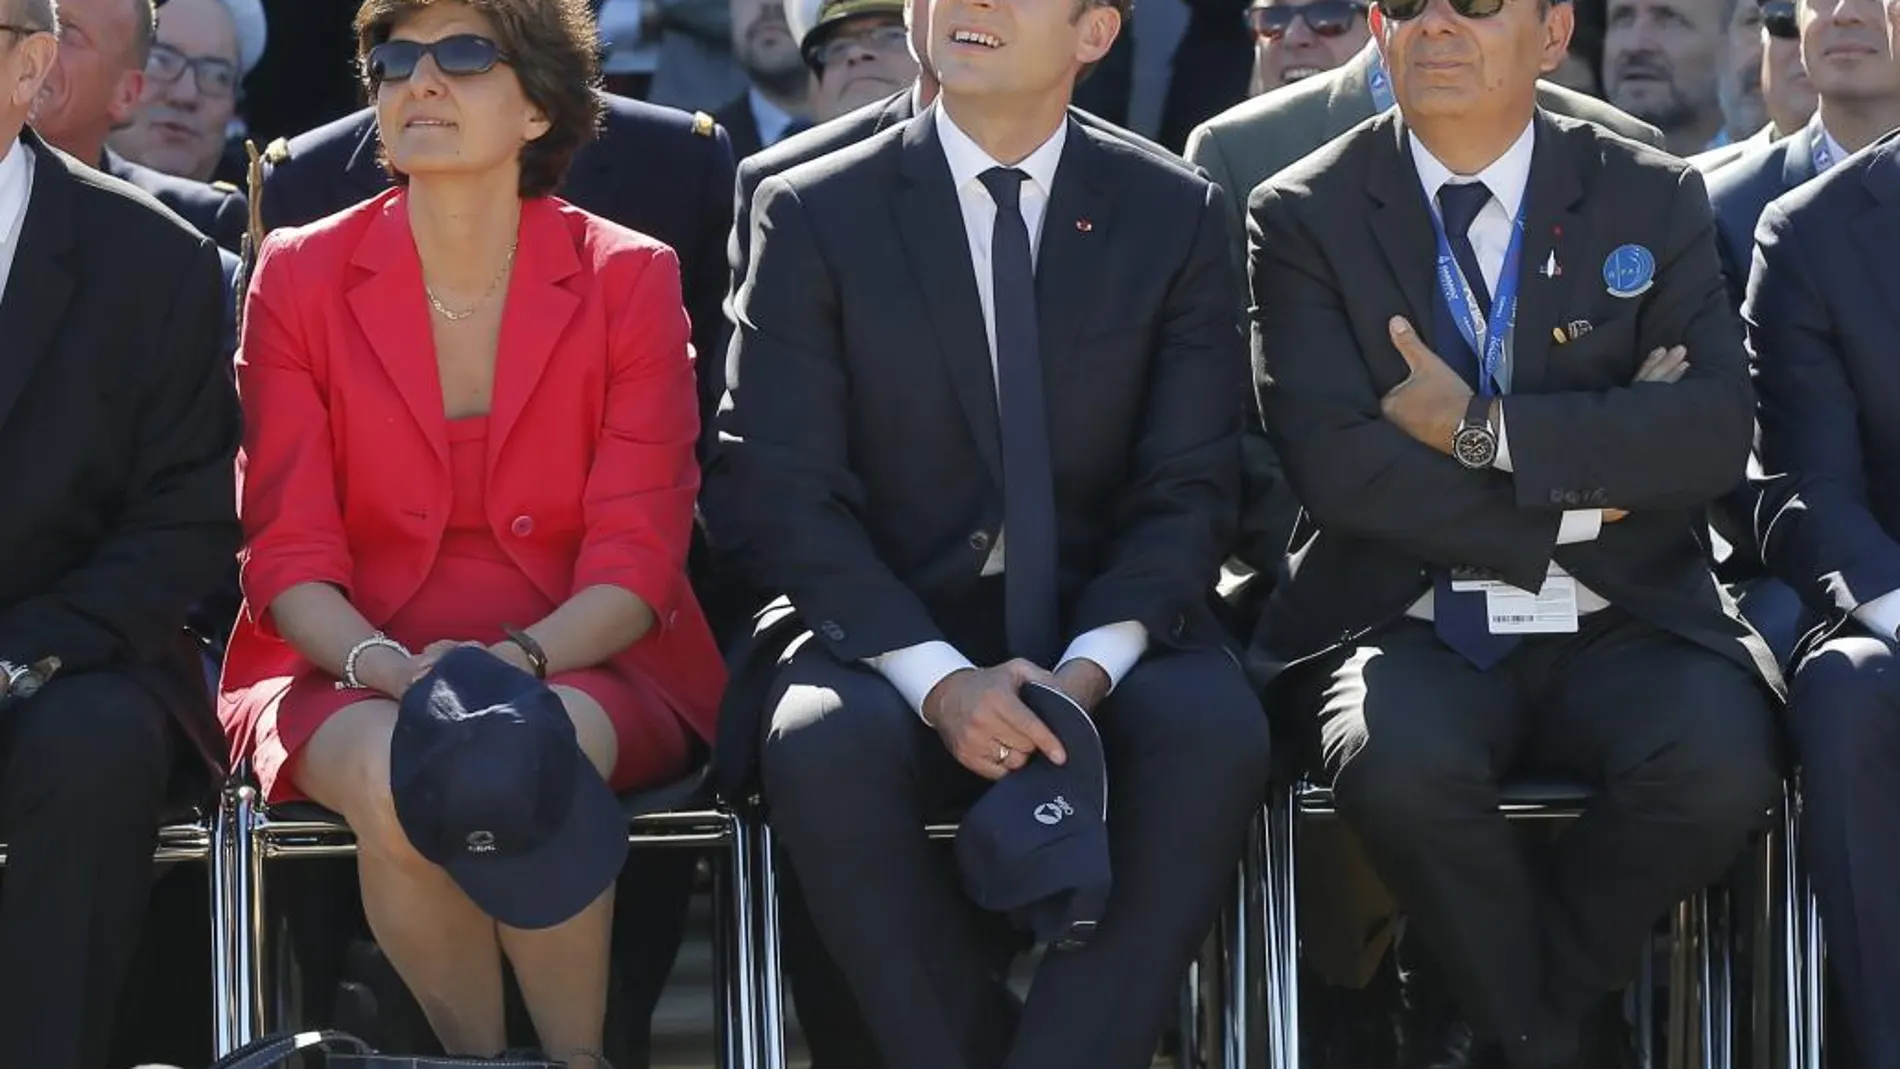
(1550, 611)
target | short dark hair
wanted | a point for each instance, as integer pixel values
(1124, 8)
(39, 14)
(552, 46)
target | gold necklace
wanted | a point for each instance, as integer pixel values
(445, 312)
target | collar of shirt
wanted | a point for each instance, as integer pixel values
(13, 189)
(968, 160)
(1507, 177)
(1833, 150)
(771, 119)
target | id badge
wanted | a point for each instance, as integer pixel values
(1552, 610)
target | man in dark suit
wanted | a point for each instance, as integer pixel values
(657, 170)
(1497, 568)
(119, 424)
(950, 446)
(1821, 316)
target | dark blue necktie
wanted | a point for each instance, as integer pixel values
(1458, 206)
(1460, 618)
(1029, 506)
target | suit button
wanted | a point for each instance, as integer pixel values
(1572, 498)
(1179, 628)
(522, 527)
(1556, 497)
(831, 630)
(1597, 498)
(980, 541)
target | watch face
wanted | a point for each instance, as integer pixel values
(1475, 447)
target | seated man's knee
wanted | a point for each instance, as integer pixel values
(1404, 786)
(106, 741)
(832, 727)
(1722, 775)
(1843, 714)
(1206, 714)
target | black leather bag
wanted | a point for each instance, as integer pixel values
(344, 1051)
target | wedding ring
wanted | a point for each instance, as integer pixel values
(1002, 754)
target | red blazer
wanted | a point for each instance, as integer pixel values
(344, 474)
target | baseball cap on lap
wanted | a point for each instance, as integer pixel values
(490, 783)
(1035, 845)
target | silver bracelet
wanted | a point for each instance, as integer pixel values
(349, 680)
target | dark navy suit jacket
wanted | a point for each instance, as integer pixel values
(218, 212)
(1823, 310)
(1739, 192)
(663, 172)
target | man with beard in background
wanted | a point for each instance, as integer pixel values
(778, 102)
(1661, 60)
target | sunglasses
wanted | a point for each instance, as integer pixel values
(1406, 10)
(1327, 18)
(460, 56)
(1777, 17)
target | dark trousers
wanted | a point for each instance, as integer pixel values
(1678, 741)
(852, 775)
(1844, 716)
(83, 770)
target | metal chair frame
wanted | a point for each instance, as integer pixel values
(1701, 957)
(245, 836)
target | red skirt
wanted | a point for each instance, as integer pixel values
(472, 591)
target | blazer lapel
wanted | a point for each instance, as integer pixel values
(1554, 233)
(1070, 257)
(535, 316)
(1876, 231)
(1798, 165)
(930, 223)
(1402, 226)
(392, 310)
(40, 282)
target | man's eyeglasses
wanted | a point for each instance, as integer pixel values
(1777, 17)
(459, 56)
(1406, 10)
(215, 77)
(843, 46)
(1327, 18)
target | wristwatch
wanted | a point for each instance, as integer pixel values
(1474, 443)
(24, 681)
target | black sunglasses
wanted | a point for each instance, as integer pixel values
(1406, 10)
(460, 56)
(1777, 17)
(1327, 18)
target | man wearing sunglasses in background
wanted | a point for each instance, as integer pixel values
(1496, 359)
(1295, 39)
(1786, 93)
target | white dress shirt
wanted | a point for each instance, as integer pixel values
(16, 184)
(1508, 178)
(914, 670)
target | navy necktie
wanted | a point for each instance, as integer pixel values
(1460, 617)
(1458, 206)
(1029, 507)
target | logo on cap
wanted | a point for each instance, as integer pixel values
(481, 842)
(1052, 811)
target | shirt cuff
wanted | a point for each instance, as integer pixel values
(1579, 525)
(916, 670)
(1881, 615)
(1113, 647)
(1502, 461)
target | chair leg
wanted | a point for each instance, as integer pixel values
(736, 1003)
(1682, 1040)
(1239, 944)
(1281, 993)
(244, 895)
(765, 942)
(1793, 911)
(1814, 962)
(1643, 1022)
(1191, 1004)
(1765, 950)
(225, 993)
(1714, 1006)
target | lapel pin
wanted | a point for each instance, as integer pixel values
(1551, 268)
(1084, 226)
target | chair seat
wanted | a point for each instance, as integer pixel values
(1528, 791)
(691, 792)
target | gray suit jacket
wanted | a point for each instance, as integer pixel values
(1256, 139)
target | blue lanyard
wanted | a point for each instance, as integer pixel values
(1464, 305)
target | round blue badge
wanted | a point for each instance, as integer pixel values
(1629, 270)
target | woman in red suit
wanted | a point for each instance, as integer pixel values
(470, 418)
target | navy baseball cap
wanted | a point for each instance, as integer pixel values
(1035, 846)
(490, 783)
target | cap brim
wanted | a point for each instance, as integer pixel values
(554, 883)
(1076, 730)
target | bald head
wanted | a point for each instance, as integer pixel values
(101, 71)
